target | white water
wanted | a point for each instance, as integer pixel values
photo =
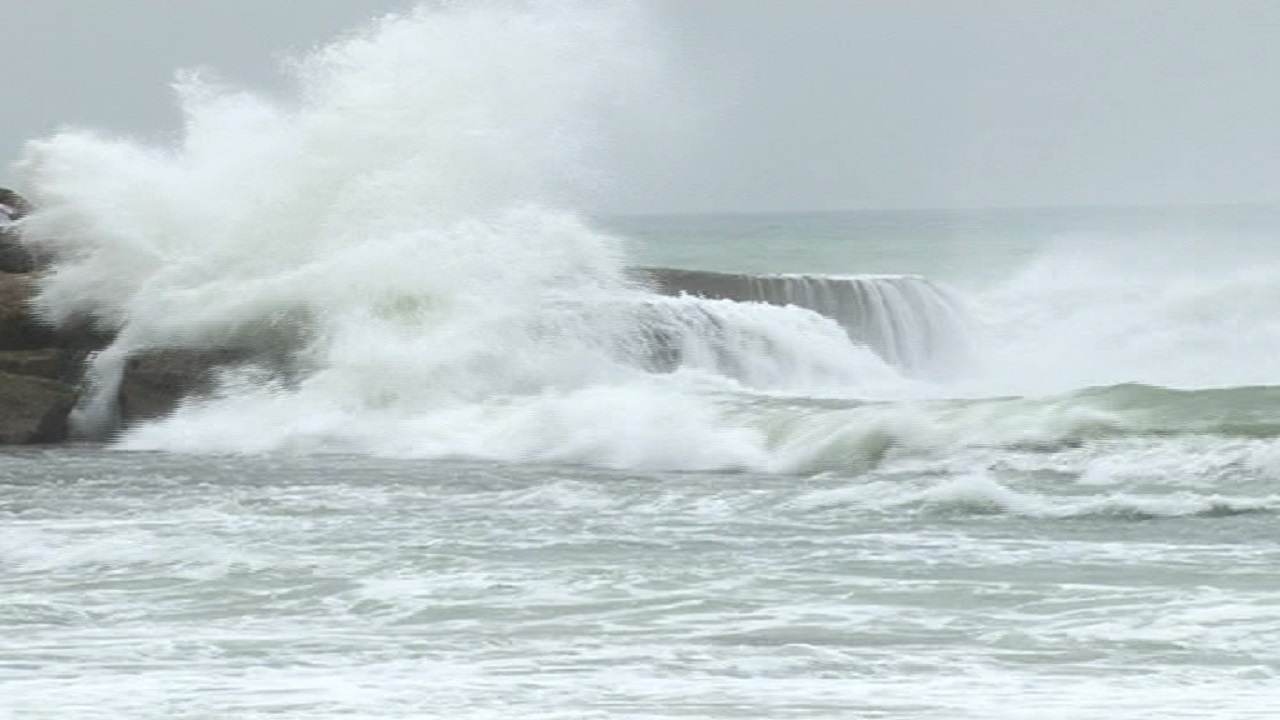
(140, 585)
(394, 219)
(910, 322)
(1185, 310)
(395, 222)
(1008, 541)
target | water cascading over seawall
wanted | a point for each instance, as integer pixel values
(462, 311)
(907, 320)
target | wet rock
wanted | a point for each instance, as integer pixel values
(19, 329)
(14, 257)
(79, 336)
(702, 283)
(33, 409)
(156, 381)
(16, 207)
(48, 363)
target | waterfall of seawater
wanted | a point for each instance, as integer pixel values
(909, 321)
(407, 242)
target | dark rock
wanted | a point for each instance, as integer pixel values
(18, 204)
(19, 330)
(14, 257)
(717, 285)
(47, 363)
(156, 381)
(33, 409)
(79, 336)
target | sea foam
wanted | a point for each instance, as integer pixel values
(400, 222)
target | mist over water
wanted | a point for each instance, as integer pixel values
(405, 226)
(963, 464)
(400, 222)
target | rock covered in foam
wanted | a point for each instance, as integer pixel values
(14, 256)
(14, 206)
(40, 366)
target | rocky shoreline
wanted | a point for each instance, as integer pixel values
(42, 367)
(40, 372)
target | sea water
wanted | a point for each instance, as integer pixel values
(477, 495)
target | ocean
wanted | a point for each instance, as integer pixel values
(507, 478)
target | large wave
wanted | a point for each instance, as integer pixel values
(399, 220)
(403, 223)
(1189, 309)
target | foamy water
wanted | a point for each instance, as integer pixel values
(147, 586)
(507, 477)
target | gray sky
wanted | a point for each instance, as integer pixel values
(794, 104)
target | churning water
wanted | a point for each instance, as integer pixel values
(950, 465)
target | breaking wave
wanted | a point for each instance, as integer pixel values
(401, 226)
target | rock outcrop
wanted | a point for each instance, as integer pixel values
(19, 329)
(47, 363)
(155, 382)
(33, 409)
(14, 258)
(17, 206)
(40, 367)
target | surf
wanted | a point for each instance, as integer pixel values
(401, 235)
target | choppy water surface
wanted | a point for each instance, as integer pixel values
(147, 585)
(501, 477)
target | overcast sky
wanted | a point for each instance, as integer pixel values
(799, 104)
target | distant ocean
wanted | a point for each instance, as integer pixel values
(513, 481)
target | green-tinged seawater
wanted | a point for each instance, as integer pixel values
(966, 247)
(1079, 523)
(149, 585)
